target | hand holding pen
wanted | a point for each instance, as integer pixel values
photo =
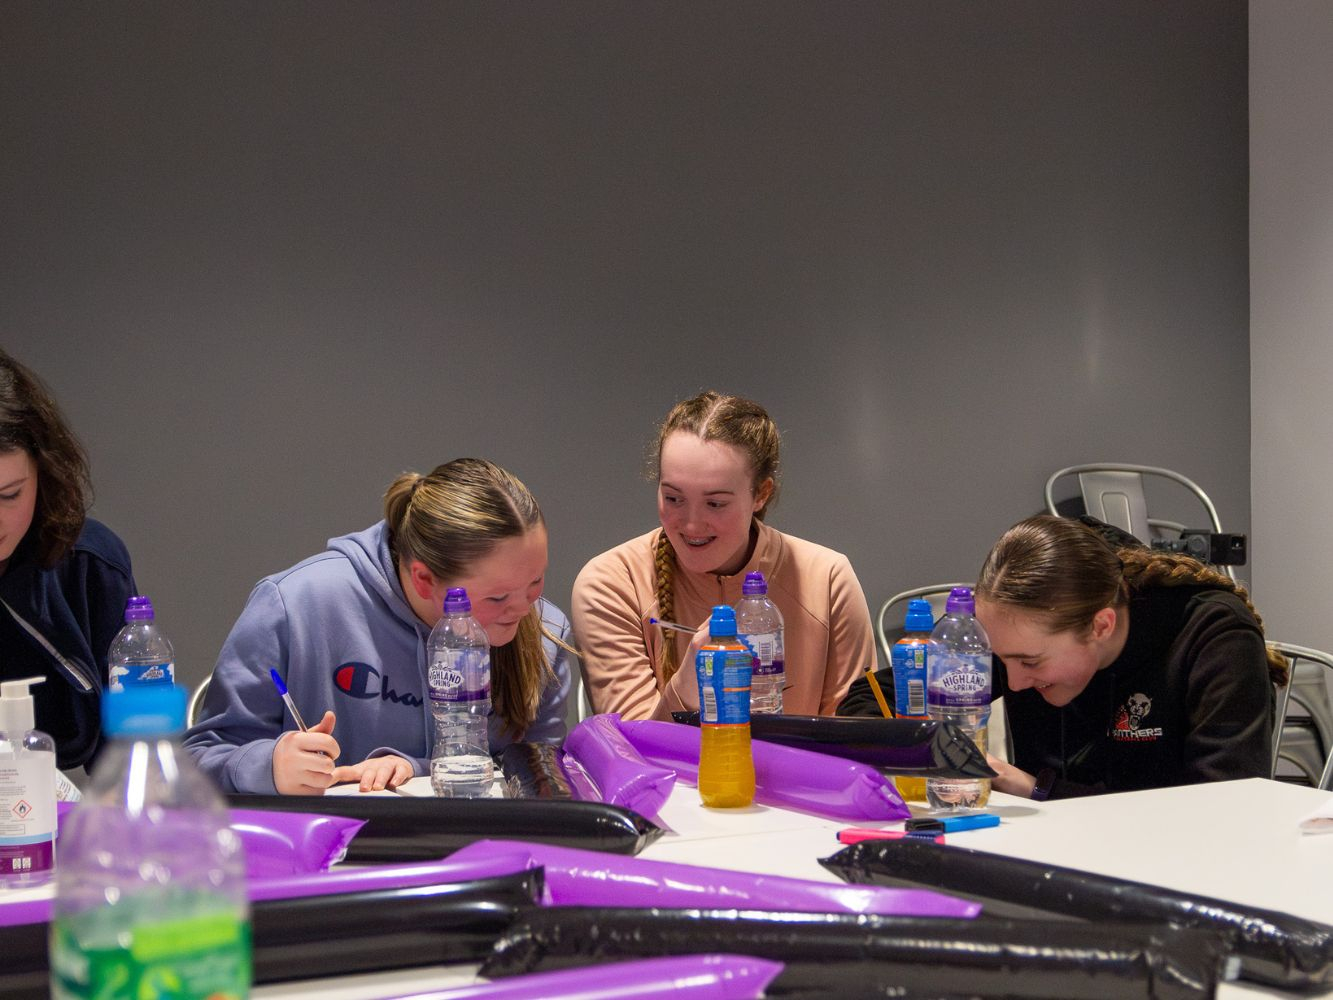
(303, 760)
(304, 766)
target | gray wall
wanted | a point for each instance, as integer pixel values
(270, 255)
(1291, 315)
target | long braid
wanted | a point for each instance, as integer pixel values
(664, 559)
(1149, 568)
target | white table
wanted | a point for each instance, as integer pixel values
(1234, 840)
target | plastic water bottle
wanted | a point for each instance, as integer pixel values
(958, 690)
(140, 653)
(909, 656)
(460, 702)
(723, 665)
(759, 626)
(150, 891)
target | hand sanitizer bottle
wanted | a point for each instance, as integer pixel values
(27, 790)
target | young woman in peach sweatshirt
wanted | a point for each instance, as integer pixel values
(717, 473)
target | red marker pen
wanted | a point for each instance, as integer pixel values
(856, 834)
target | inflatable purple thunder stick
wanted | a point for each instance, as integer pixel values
(784, 776)
(619, 771)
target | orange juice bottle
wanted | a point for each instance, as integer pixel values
(723, 665)
(909, 682)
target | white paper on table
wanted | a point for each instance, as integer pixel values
(1319, 821)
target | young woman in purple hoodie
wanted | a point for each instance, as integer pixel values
(347, 631)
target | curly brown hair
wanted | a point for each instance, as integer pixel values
(31, 421)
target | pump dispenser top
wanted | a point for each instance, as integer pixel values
(16, 711)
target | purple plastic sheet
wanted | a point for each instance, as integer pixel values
(282, 843)
(24, 911)
(687, 977)
(620, 772)
(783, 776)
(591, 878)
(279, 844)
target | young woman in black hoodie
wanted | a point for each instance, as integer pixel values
(64, 578)
(1122, 667)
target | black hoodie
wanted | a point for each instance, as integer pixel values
(58, 624)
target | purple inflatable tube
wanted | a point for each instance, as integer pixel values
(685, 977)
(618, 769)
(784, 776)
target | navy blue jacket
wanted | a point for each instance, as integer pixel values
(58, 624)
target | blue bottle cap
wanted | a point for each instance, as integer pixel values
(919, 616)
(147, 710)
(722, 622)
(456, 600)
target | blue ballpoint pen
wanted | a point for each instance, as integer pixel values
(287, 700)
(672, 625)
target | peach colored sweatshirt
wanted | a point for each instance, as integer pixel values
(829, 642)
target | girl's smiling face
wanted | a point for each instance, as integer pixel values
(706, 500)
(1058, 664)
(502, 586)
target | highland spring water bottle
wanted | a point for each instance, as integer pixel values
(759, 626)
(140, 653)
(460, 702)
(958, 690)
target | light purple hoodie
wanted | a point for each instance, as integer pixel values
(342, 635)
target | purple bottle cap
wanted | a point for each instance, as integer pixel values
(754, 584)
(138, 609)
(960, 599)
(456, 600)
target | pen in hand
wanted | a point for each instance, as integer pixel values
(672, 625)
(287, 700)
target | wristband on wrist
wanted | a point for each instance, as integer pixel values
(1045, 780)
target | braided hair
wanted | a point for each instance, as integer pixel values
(664, 562)
(1067, 572)
(1144, 568)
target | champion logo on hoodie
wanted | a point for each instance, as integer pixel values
(361, 680)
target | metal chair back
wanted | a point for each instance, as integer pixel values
(1303, 727)
(1114, 492)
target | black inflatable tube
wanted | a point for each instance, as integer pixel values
(399, 828)
(919, 747)
(1274, 948)
(866, 956)
(311, 937)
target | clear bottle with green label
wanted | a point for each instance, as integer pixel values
(150, 892)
